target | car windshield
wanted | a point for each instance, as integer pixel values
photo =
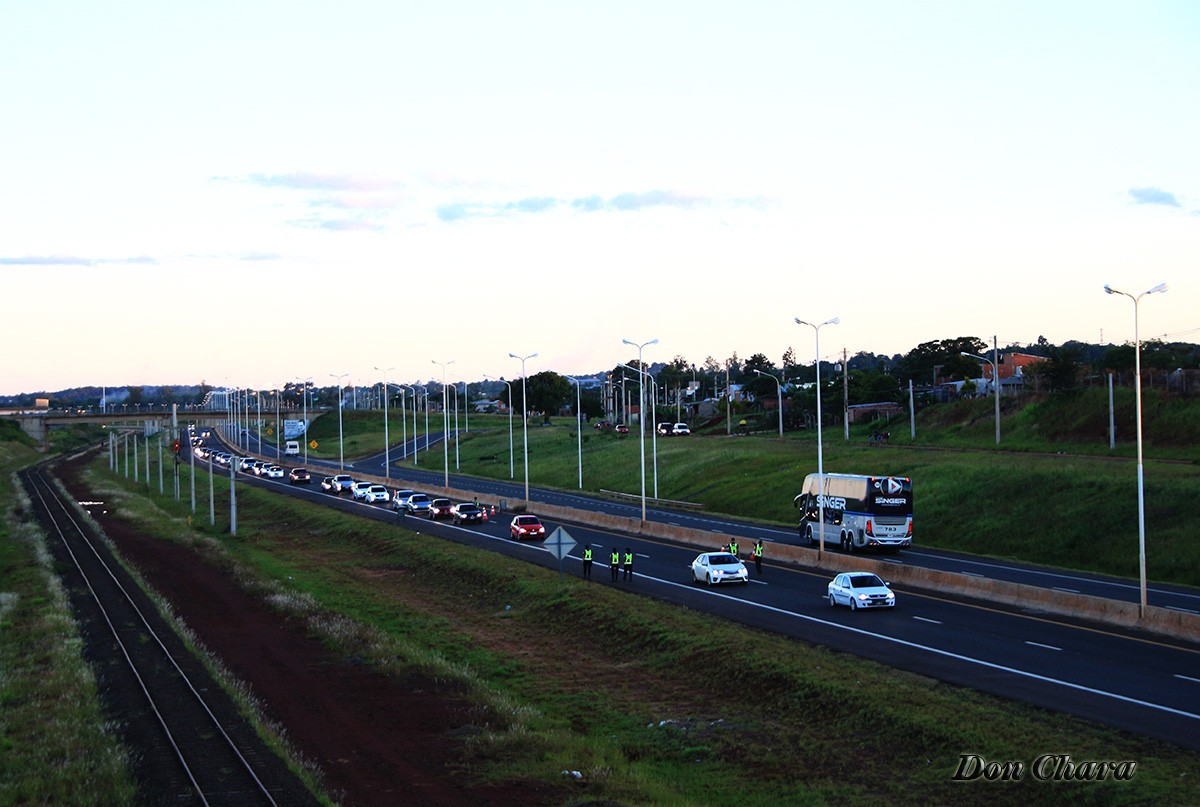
(466, 508)
(865, 581)
(419, 498)
(723, 560)
(527, 521)
(378, 489)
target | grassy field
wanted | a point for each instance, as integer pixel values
(652, 705)
(55, 747)
(1064, 501)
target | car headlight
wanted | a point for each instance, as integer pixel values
(863, 597)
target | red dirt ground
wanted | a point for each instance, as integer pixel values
(377, 740)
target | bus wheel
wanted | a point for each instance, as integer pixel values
(809, 534)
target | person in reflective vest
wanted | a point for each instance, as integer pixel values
(758, 553)
(587, 562)
(733, 547)
(614, 564)
(628, 563)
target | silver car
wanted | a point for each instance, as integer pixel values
(418, 504)
(860, 590)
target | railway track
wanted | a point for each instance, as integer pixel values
(189, 743)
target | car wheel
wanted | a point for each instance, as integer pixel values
(832, 601)
(853, 604)
(710, 580)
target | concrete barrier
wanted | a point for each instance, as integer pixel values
(1160, 621)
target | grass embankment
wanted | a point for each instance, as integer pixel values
(55, 746)
(1060, 506)
(652, 704)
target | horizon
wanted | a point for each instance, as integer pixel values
(423, 184)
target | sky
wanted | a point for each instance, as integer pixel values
(248, 193)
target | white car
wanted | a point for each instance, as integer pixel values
(719, 567)
(275, 472)
(860, 590)
(359, 489)
(247, 464)
(341, 483)
(375, 493)
(680, 428)
(400, 498)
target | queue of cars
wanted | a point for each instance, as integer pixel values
(856, 590)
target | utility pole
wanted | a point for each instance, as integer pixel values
(846, 395)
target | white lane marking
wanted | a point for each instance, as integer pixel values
(1065, 590)
(1046, 646)
(881, 637)
(972, 574)
(1188, 678)
(930, 621)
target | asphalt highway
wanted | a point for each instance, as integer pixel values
(1142, 684)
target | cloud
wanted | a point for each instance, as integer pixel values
(47, 260)
(533, 205)
(1153, 196)
(259, 256)
(341, 225)
(310, 181)
(645, 199)
(72, 260)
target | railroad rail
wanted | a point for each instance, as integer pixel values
(191, 744)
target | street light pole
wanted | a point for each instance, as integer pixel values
(995, 381)
(779, 398)
(445, 426)
(304, 404)
(341, 451)
(524, 419)
(642, 417)
(387, 458)
(820, 449)
(578, 430)
(404, 421)
(511, 470)
(1137, 380)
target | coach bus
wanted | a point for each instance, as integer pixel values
(861, 512)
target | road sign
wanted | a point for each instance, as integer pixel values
(270, 432)
(559, 544)
(313, 444)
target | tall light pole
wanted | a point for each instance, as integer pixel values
(578, 430)
(524, 419)
(820, 451)
(511, 470)
(995, 381)
(779, 393)
(642, 417)
(416, 407)
(643, 377)
(387, 458)
(1137, 380)
(304, 404)
(404, 421)
(445, 425)
(341, 452)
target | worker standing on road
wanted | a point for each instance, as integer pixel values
(587, 562)
(614, 564)
(733, 547)
(628, 563)
(758, 553)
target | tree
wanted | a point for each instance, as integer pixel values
(548, 392)
(943, 358)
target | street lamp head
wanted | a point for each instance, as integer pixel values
(1158, 288)
(833, 321)
(1109, 289)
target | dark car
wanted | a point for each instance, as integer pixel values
(467, 513)
(299, 476)
(440, 508)
(621, 428)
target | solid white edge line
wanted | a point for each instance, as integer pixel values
(1046, 646)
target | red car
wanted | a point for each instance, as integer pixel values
(621, 428)
(440, 508)
(523, 527)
